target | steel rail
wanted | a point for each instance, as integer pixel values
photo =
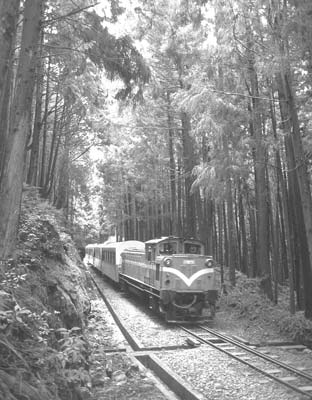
(258, 353)
(226, 339)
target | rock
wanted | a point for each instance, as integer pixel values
(119, 377)
(69, 296)
(132, 370)
(109, 368)
(192, 342)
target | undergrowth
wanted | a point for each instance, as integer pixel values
(40, 359)
(247, 300)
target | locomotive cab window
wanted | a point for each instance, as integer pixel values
(191, 248)
(168, 248)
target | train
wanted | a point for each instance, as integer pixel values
(172, 274)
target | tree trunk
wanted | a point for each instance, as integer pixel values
(8, 22)
(32, 176)
(12, 179)
(48, 178)
(242, 225)
(252, 270)
(45, 127)
(188, 160)
(290, 109)
(231, 261)
(263, 257)
(180, 210)
(220, 252)
(172, 170)
(284, 209)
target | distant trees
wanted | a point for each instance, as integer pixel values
(226, 128)
(52, 100)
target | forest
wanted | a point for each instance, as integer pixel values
(151, 118)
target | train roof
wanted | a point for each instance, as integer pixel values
(91, 245)
(162, 239)
(136, 244)
(165, 238)
(133, 244)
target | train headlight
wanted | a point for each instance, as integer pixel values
(209, 263)
(167, 262)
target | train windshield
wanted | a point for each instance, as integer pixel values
(192, 248)
(168, 248)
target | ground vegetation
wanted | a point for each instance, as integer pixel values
(43, 310)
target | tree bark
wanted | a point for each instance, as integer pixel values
(12, 179)
(32, 175)
(284, 210)
(263, 258)
(45, 127)
(188, 160)
(172, 172)
(242, 225)
(8, 22)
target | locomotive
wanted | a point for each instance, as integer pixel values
(171, 273)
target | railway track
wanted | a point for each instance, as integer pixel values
(157, 355)
(285, 374)
(146, 357)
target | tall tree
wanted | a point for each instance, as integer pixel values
(8, 22)
(12, 178)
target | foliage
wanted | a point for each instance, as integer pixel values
(73, 356)
(247, 301)
(47, 359)
(297, 327)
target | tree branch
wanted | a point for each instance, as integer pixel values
(73, 12)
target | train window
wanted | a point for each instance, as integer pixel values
(168, 248)
(192, 248)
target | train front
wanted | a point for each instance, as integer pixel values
(187, 287)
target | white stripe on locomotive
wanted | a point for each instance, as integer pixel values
(185, 279)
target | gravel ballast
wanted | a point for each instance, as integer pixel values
(213, 374)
